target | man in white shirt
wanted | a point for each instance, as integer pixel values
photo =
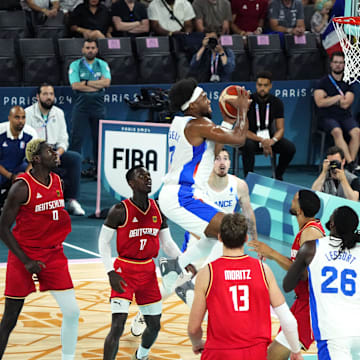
(168, 17)
(49, 122)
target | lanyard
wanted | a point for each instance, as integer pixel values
(214, 64)
(90, 69)
(266, 116)
(46, 120)
(336, 85)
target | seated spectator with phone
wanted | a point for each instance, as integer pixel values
(336, 180)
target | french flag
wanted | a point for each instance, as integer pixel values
(330, 40)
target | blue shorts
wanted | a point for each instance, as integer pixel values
(346, 124)
(188, 208)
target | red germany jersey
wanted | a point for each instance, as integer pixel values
(42, 221)
(302, 288)
(238, 304)
(138, 238)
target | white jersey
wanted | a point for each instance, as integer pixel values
(228, 198)
(189, 165)
(334, 284)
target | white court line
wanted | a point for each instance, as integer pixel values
(81, 249)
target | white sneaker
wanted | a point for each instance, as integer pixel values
(138, 324)
(74, 208)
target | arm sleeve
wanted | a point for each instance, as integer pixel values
(189, 12)
(106, 234)
(278, 109)
(63, 137)
(274, 10)
(105, 69)
(168, 244)
(152, 12)
(74, 75)
(300, 11)
(289, 326)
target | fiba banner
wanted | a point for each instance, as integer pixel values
(123, 145)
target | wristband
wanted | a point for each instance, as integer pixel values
(274, 139)
(226, 125)
(86, 82)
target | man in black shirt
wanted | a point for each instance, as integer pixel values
(334, 99)
(129, 18)
(266, 128)
(91, 20)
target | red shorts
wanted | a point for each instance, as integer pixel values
(257, 352)
(301, 311)
(55, 276)
(140, 277)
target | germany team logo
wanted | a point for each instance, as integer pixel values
(154, 219)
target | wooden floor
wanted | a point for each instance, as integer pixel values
(37, 334)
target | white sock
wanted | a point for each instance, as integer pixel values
(201, 248)
(141, 352)
(69, 328)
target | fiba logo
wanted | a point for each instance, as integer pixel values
(135, 157)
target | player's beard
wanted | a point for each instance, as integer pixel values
(338, 72)
(293, 212)
(46, 105)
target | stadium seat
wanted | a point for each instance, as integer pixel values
(182, 62)
(156, 64)
(13, 25)
(10, 5)
(266, 54)
(40, 62)
(305, 60)
(52, 28)
(242, 61)
(69, 50)
(10, 71)
(117, 52)
(308, 13)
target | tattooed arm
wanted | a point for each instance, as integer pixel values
(244, 202)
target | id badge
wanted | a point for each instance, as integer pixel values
(263, 134)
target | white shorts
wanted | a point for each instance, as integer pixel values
(119, 305)
(188, 208)
(347, 348)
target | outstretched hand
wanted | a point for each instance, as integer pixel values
(191, 268)
(116, 281)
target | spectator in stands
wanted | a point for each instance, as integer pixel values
(266, 128)
(212, 62)
(36, 12)
(334, 98)
(88, 76)
(49, 123)
(14, 135)
(213, 16)
(91, 20)
(336, 180)
(287, 17)
(320, 18)
(248, 16)
(168, 17)
(129, 18)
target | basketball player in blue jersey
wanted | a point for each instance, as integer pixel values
(194, 140)
(333, 265)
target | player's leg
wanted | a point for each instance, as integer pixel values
(287, 150)
(69, 327)
(148, 297)
(248, 156)
(120, 310)
(339, 141)
(278, 351)
(11, 313)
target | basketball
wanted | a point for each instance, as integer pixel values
(229, 92)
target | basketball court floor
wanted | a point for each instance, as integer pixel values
(37, 334)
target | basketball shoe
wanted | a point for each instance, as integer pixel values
(138, 324)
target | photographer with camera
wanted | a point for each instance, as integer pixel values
(336, 180)
(212, 63)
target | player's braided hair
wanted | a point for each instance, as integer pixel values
(346, 222)
(33, 148)
(181, 92)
